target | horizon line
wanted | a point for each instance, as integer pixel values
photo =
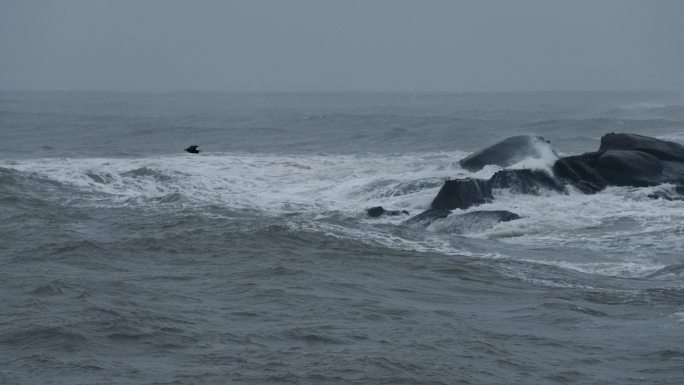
(332, 91)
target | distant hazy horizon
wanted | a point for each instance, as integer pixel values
(341, 91)
(324, 46)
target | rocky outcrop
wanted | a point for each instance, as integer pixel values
(462, 193)
(509, 152)
(525, 181)
(661, 149)
(580, 171)
(629, 168)
(622, 160)
(465, 193)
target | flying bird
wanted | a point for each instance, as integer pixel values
(193, 149)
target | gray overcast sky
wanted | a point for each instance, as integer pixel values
(301, 45)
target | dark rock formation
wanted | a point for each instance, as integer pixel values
(462, 193)
(377, 211)
(525, 181)
(580, 171)
(673, 171)
(594, 171)
(622, 160)
(629, 168)
(661, 149)
(508, 152)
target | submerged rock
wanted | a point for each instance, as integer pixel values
(474, 221)
(673, 194)
(666, 196)
(378, 211)
(426, 217)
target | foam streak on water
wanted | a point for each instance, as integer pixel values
(270, 183)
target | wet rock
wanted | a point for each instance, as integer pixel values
(661, 149)
(462, 193)
(426, 217)
(509, 152)
(580, 171)
(525, 181)
(378, 211)
(629, 168)
(474, 221)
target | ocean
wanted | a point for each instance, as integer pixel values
(125, 260)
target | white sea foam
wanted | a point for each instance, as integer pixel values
(270, 183)
(625, 232)
(621, 231)
(544, 160)
(643, 106)
(679, 317)
(673, 137)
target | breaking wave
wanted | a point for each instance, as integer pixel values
(630, 233)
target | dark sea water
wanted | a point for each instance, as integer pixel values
(124, 260)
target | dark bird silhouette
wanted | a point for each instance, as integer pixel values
(193, 149)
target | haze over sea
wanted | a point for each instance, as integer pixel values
(124, 260)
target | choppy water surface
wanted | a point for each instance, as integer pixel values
(126, 261)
